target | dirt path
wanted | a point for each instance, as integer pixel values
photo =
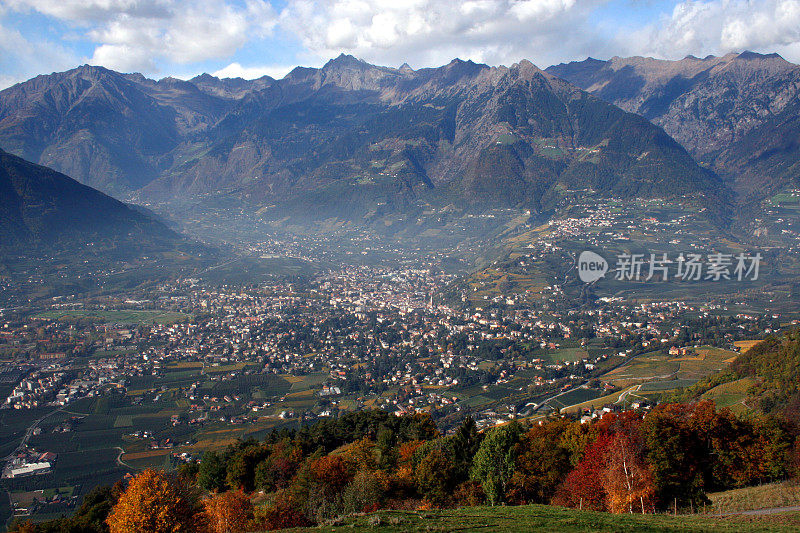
(119, 458)
(627, 393)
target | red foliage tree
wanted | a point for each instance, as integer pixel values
(583, 486)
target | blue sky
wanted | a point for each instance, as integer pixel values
(250, 38)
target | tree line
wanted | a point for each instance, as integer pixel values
(630, 462)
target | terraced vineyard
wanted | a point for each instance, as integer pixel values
(661, 367)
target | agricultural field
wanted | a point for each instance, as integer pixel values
(579, 396)
(654, 366)
(744, 346)
(98, 440)
(86, 458)
(597, 402)
(659, 366)
(662, 386)
(491, 283)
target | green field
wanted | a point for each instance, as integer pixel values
(99, 445)
(596, 402)
(577, 396)
(538, 518)
(307, 382)
(784, 198)
(567, 354)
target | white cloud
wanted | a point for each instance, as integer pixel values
(147, 35)
(235, 70)
(136, 34)
(21, 59)
(123, 57)
(702, 27)
(432, 32)
(85, 11)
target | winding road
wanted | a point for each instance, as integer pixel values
(29, 433)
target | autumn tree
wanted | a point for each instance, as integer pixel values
(155, 502)
(189, 471)
(627, 479)
(23, 527)
(777, 441)
(364, 492)
(361, 454)
(403, 479)
(320, 484)
(541, 465)
(229, 512)
(435, 472)
(678, 455)
(276, 470)
(794, 461)
(284, 510)
(583, 487)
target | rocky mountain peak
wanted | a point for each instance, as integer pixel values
(345, 61)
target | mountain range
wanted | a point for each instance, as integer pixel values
(738, 114)
(348, 137)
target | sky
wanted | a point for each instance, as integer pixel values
(252, 38)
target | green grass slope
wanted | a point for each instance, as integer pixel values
(536, 518)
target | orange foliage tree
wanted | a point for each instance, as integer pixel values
(627, 479)
(155, 502)
(230, 512)
(543, 461)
